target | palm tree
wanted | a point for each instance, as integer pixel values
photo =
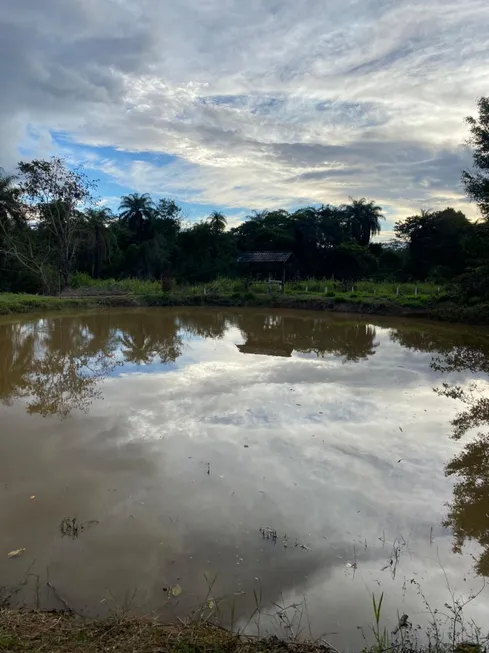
(9, 201)
(364, 218)
(217, 222)
(98, 236)
(136, 210)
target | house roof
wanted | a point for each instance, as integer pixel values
(283, 350)
(264, 257)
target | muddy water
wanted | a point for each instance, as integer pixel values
(153, 459)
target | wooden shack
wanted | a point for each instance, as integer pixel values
(273, 264)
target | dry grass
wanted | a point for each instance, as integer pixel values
(54, 632)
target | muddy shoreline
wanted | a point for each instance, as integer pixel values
(440, 311)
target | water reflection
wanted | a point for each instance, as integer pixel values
(468, 514)
(458, 353)
(218, 423)
(276, 335)
(56, 363)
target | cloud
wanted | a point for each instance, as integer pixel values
(260, 104)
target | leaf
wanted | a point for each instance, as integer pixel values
(176, 590)
(211, 604)
(16, 553)
(33, 496)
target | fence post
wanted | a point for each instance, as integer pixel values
(397, 291)
(415, 291)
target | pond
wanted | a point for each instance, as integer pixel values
(174, 461)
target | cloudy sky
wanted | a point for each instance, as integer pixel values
(248, 105)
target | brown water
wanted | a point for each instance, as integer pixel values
(238, 456)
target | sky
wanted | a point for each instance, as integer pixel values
(235, 106)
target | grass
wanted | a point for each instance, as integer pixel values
(363, 292)
(66, 632)
(447, 630)
(33, 632)
(82, 284)
(19, 303)
(422, 300)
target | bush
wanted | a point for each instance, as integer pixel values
(166, 284)
(81, 280)
(475, 282)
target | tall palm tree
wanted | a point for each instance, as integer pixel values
(364, 218)
(98, 236)
(137, 210)
(9, 197)
(217, 222)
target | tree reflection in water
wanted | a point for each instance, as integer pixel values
(280, 335)
(54, 363)
(145, 341)
(57, 363)
(468, 512)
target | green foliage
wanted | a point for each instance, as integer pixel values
(135, 212)
(435, 243)
(217, 222)
(51, 233)
(474, 283)
(81, 280)
(477, 185)
(404, 294)
(364, 218)
(109, 286)
(148, 242)
(381, 636)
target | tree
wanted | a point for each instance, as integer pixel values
(266, 230)
(9, 197)
(435, 241)
(217, 222)
(11, 219)
(98, 237)
(353, 262)
(136, 211)
(53, 196)
(48, 228)
(168, 210)
(364, 218)
(477, 185)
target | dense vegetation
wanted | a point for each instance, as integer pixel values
(52, 231)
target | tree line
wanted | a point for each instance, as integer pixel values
(51, 228)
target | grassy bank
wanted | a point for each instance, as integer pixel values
(63, 632)
(33, 632)
(425, 301)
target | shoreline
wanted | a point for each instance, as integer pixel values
(478, 314)
(64, 632)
